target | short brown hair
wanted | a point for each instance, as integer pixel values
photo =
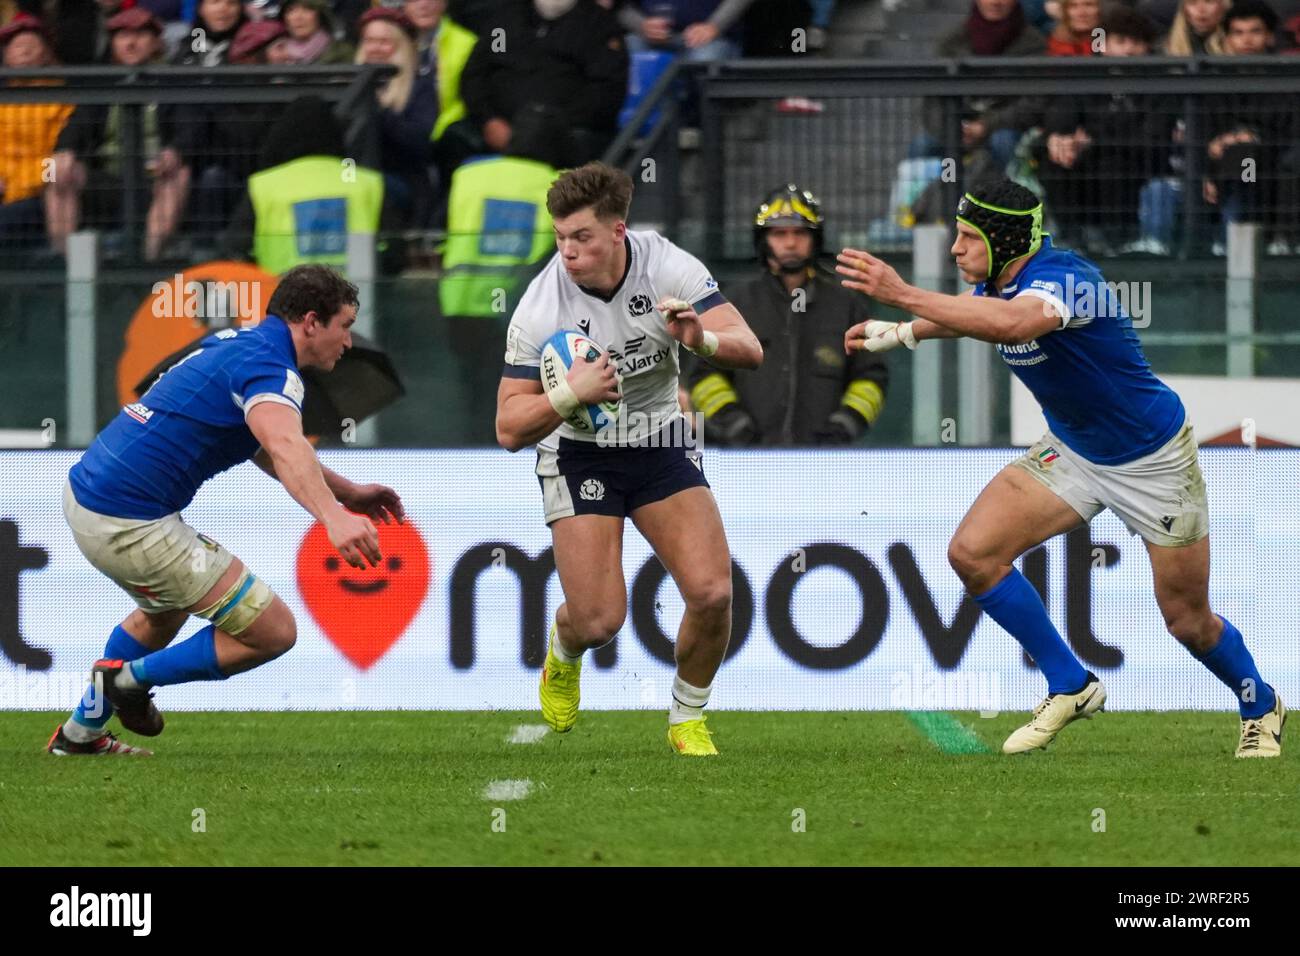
(1128, 23)
(311, 288)
(608, 191)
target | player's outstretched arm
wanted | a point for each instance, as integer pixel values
(875, 335)
(278, 429)
(1003, 321)
(376, 502)
(924, 329)
(1009, 322)
(721, 334)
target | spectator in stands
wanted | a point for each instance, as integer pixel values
(80, 35)
(1289, 36)
(703, 30)
(257, 10)
(1076, 33)
(214, 27)
(299, 207)
(1042, 15)
(1100, 151)
(311, 34)
(770, 28)
(443, 47)
(1161, 13)
(348, 12)
(252, 43)
(1256, 134)
(170, 11)
(1250, 29)
(1197, 29)
(89, 157)
(567, 55)
(219, 141)
(993, 28)
(822, 11)
(406, 121)
(177, 18)
(807, 392)
(28, 132)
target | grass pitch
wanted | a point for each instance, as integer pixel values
(338, 789)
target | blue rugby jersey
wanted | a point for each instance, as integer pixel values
(1096, 389)
(152, 458)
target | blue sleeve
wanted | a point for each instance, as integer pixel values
(259, 379)
(1054, 287)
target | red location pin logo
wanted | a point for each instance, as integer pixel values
(364, 612)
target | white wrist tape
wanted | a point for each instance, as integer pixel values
(906, 335)
(563, 399)
(708, 347)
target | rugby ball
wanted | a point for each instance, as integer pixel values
(558, 354)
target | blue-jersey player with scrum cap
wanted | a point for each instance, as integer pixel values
(1118, 438)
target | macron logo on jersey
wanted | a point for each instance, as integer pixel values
(139, 412)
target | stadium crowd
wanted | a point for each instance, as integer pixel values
(452, 97)
(566, 71)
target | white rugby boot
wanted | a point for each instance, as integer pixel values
(1051, 716)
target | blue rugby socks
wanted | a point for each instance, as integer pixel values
(190, 660)
(1231, 663)
(93, 713)
(1014, 604)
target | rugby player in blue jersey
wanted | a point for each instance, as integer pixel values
(236, 396)
(1118, 438)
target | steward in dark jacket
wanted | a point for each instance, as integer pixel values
(807, 391)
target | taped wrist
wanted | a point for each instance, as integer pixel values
(906, 335)
(563, 399)
(708, 347)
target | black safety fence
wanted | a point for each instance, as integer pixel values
(1149, 155)
(157, 160)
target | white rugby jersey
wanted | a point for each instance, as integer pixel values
(626, 324)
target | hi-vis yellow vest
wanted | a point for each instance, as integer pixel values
(305, 209)
(454, 44)
(497, 224)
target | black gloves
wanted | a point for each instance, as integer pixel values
(843, 427)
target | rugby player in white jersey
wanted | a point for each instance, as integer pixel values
(625, 290)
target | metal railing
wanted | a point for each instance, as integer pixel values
(874, 111)
(747, 147)
(134, 90)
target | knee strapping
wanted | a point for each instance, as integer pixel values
(239, 607)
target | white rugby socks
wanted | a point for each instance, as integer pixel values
(688, 701)
(80, 733)
(126, 678)
(559, 650)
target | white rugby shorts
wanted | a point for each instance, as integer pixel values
(1160, 496)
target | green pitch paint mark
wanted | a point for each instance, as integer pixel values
(947, 733)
